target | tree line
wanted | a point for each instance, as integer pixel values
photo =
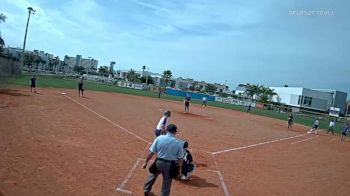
(259, 92)
(2, 42)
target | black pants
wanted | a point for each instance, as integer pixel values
(331, 129)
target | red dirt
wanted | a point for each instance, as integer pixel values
(50, 145)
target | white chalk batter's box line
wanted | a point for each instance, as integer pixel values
(218, 172)
(120, 188)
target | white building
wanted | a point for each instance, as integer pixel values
(44, 56)
(312, 99)
(183, 84)
(15, 53)
(90, 63)
(223, 88)
(240, 89)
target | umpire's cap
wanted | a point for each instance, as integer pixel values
(167, 113)
(171, 128)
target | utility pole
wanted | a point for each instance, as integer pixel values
(147, 76)
(30, 12)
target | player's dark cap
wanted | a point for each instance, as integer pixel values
(167, 113)
(171, 128)
(186, 145)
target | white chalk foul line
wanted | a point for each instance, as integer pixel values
(221, 181)
(113, 123)
(124, 191)
(215, 171)
(121, 186)
(258, 144)
(304, 140)
(221, 178)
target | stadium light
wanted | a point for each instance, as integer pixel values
(30, 12)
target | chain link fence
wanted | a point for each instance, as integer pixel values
(8, 68)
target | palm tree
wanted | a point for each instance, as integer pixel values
(103, 70)
(50, 64)
(43, 65)
(147, 79)
(167, 75)
(56, 62)
(2, 44)
(65, 66)
(111, 68)
(28, 60)
(131, 76)
(37, 60)
(266, 94)
(210, 88)
(252, 90)
(2, 17)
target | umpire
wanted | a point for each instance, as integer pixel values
(168, 150)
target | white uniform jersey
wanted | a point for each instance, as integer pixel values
(162, 123)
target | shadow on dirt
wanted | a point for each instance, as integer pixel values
(11, 92)
(194, 115)
(199, 182)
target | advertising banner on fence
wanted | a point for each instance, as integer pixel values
(333, 111)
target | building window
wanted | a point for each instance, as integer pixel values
(310, 101)
(307, 101)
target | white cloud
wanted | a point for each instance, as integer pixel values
(152, 6)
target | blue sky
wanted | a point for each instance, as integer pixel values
(240, 41)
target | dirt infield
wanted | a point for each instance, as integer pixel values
(59, 144)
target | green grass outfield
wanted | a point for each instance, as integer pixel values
(61, 82)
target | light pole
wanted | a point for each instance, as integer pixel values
(143, 70)
(147, 76)
(30, 12)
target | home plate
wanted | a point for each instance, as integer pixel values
(63, 93)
